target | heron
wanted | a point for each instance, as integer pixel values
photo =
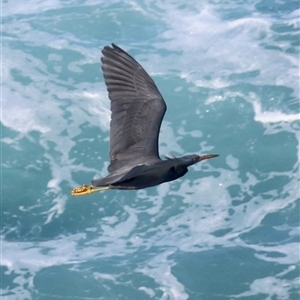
(137, 111)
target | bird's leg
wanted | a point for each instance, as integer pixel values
(87, 189)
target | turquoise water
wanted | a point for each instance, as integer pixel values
(229, 229)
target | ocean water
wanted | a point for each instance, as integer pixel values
(229, 229)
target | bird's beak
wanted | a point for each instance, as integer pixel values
(207, 156)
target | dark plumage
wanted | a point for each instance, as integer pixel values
(137, 110)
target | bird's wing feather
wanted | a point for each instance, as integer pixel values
(137, 110)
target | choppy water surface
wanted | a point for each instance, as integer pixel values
(229, 72)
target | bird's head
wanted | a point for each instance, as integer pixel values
(192, 159)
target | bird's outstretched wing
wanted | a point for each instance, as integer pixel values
(137, 110)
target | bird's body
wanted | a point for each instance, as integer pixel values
(143, 176)
(137, 111)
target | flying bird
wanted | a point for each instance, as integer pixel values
(137, 110)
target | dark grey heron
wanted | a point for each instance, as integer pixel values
(137, 110)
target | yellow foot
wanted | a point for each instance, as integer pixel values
(87, 189)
